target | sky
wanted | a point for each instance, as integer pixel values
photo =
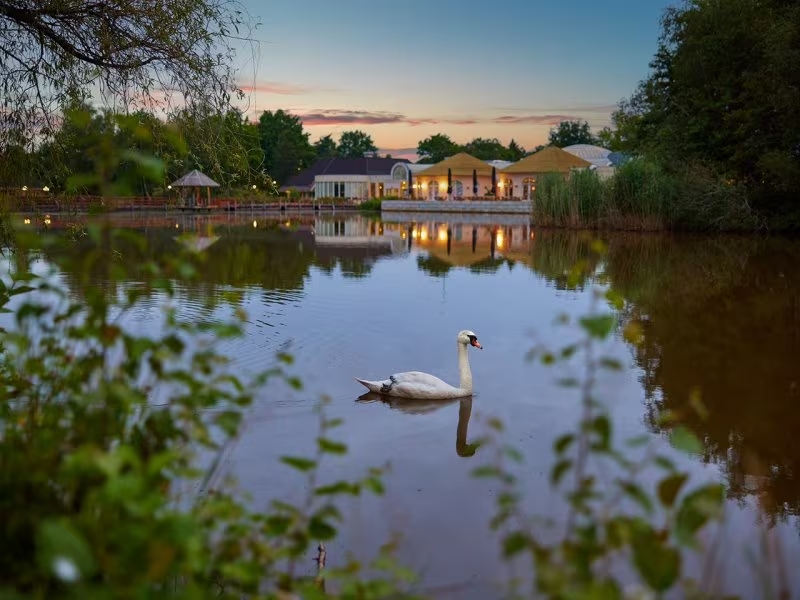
(403, 71)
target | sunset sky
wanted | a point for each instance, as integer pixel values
(402, 71)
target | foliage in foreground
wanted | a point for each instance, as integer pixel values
(641, 195)
(101, 427)
(100, 432)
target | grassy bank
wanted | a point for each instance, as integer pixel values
(643, 196)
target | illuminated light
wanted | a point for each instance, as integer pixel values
(47, 220)
(414, 233)
(423, 234)
(27, 221)
(403, 235)
(500, 239)
(169, 187)
(255, 224)
(45, 189)
(254, 186)
(176, 226)
(24, 188)
(442, 235)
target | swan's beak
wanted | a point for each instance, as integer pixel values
(477, 344)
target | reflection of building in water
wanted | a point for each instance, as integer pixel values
(358, 231)
(465, 244)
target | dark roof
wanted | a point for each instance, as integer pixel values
(195, 178)
(342, 166)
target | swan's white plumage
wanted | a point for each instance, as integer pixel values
(417, 384)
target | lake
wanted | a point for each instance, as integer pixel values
(351, 296)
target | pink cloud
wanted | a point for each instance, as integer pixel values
(279, 88)
(333, 117)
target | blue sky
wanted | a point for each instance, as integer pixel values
(402, 71)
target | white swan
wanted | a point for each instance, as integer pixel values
(416, 384)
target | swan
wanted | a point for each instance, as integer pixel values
(416, 384)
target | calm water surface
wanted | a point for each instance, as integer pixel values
(350, 296)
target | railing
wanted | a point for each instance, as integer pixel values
(52, 203)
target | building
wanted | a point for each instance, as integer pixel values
(600, 157)
(349, 178)
(465, 171)
(519, 178)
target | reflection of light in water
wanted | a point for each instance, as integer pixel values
(423, 233)
(500, 239)
(442, 234)
(414, 233)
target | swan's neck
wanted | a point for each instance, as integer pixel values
(463, 368)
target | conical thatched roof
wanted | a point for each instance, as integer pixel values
(548, 160)
(460, 164)
(195, 179)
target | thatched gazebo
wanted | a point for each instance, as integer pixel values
(195, 179)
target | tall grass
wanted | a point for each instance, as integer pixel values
(641, 195)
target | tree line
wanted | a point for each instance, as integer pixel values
(234, 151)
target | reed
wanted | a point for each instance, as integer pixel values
(642, 196)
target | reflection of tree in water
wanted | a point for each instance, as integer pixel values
(490, 265)
(722, 316)
(432, 265)
(242, 257)
(555, 253)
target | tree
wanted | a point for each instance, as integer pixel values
(355, 144)
(568, 133)
(142, 53)
(436, 148)
(724, 92)
(325, 147)
(487, 149)
(515, 151)
(285, 144)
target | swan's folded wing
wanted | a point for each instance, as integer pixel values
(418, 377)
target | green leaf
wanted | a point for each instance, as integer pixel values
(664, 463)
(340, 487)
(331, 447)
(615, 299)
(658, 564)
(277, 524)
(670, 487)
(296, 462)
(697, 508)
(320, 529)
(514, 454)
(563, 442)
(63, 552)
(686, 441)
(601, 425)
(229, 421)
(598, 326)
(375, 485)
(612, 364)
(548, 358)
(559, 470)
(514, 543)
(637, 494)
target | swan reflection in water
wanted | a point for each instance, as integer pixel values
(422, 407)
